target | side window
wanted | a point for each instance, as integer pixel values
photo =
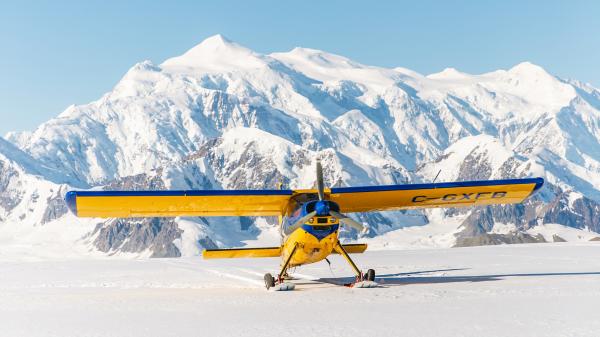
(297, 212)
(293, 209)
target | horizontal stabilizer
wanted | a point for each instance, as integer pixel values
(354, 248)
(236, 253)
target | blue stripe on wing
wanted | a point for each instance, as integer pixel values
(176, 193)
(537, 181)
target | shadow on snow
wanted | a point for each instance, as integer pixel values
(407, 278)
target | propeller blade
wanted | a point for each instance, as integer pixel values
(348, 221)
(320, 183)
(299, 223)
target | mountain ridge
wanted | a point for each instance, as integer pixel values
(223, 116)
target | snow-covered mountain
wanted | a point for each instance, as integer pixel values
(224, 116)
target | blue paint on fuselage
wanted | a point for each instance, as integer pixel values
(320, 232)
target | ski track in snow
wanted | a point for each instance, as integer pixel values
(517, 290)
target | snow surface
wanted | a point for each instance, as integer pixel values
(517, 290)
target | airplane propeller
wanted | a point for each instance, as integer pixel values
(320, 183)
(300, 222)
(348, 221)
(344, 219)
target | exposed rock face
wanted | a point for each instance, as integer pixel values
(476, 166)
(498, 239)
(578, 213)
(138, 182)
(482, 220)
(56, 207)
(556, 238)
(10, 196)
(137, 235)
(207, 243)
(581, 213)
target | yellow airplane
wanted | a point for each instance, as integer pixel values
(309, 220)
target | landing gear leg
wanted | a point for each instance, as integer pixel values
(362, 280)
(284, 267)
(280, 283)
(338, 248)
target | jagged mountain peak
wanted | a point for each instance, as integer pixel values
(525, 92)
(217, 53)
(536, 86)
(217, 40)
(527, 68)
(524, 71)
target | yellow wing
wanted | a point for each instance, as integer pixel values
(454, 194)
(125, 204)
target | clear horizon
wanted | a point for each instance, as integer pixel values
(58, 54)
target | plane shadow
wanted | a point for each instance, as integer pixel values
(400, 279)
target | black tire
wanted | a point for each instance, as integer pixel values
(370, 275)
(269, 281)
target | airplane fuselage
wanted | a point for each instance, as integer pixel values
(316, 238)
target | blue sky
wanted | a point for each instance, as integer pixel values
(57, 53)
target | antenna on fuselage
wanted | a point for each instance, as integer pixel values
(436, 176)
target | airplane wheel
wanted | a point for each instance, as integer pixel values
(269, 281)
(370, 275)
